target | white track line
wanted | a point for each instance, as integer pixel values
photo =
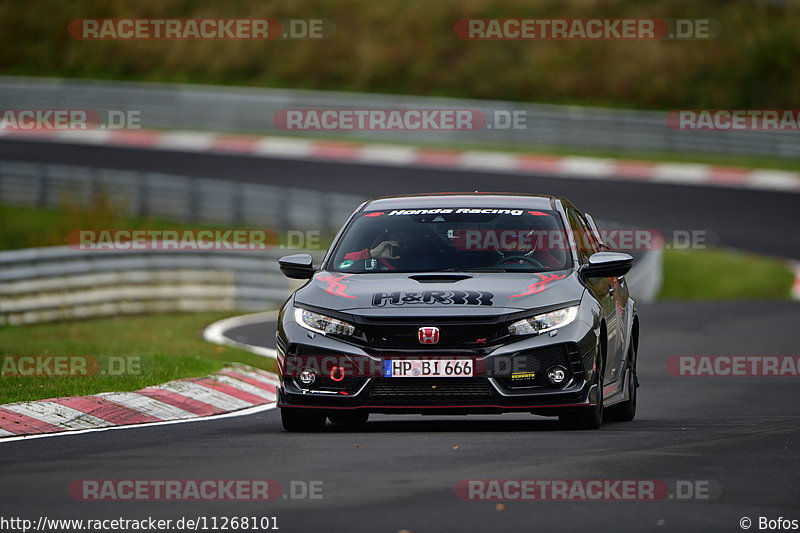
(682, 173)
(387, 155)
(284, 148)
(190, 141)
(215, 333)
(779, 180)
(489, 161)
(84, 136)
(588, 167)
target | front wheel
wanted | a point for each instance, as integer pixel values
(305, 420)
(590, 417)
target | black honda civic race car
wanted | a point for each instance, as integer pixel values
(467, 303)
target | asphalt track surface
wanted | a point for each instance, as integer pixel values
(395, 473)
(761, 221)
(742, 434)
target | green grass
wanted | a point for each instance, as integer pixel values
(29, 227)
(721, 274)
(169, 346)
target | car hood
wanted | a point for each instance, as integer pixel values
(432, 294)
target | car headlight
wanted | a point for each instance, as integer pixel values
(321, 323)
(544, 322)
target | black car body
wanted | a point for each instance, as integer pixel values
(540, 329)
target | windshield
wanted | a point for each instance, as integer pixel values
(453, 239)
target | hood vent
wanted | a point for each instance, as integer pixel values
(439, 278)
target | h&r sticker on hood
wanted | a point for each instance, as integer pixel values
(380, 299)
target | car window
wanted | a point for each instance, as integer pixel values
(597, 237)
(453, 239)
(582, 235)
(591, 237)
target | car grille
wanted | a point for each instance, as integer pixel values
(541, 359)
(403, 334)
(430, 391)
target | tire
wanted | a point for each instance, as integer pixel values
(626, 411)
(350, 418)
(305, 420)
(587, 417)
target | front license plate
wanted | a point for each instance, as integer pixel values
(428, 368)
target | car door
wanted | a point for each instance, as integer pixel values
(603, 289)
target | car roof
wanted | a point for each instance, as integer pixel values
(462, 199)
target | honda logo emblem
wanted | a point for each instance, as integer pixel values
(428, 335)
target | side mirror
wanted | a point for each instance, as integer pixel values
(607, 265)
(297, 266)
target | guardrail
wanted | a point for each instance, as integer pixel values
(62, 283)
(175, 197)
(238, 109)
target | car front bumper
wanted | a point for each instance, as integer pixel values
(549, 404)
(491, 391)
